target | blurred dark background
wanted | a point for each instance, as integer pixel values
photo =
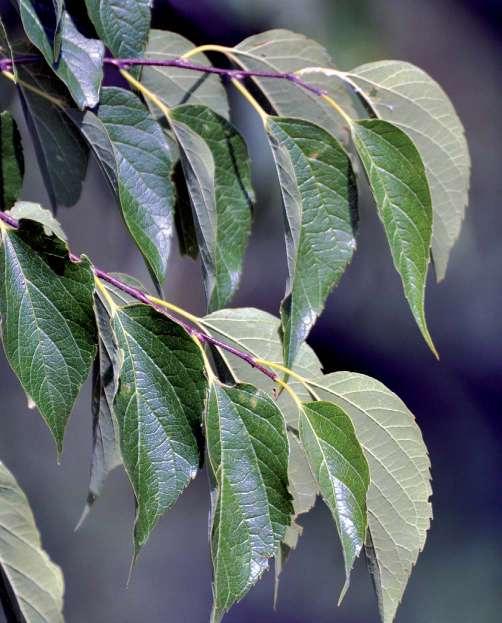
(366, 327)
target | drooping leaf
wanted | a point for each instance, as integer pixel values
(248, 450)
(61, 152)
(42, 21)
(97, 138)
(35, 212)
(80, 63)
(399, 511)
(319, 198)
(233, 194)
(410, 99)
(176, 85)
(105, 435)
(143, 169)
(122, 25)
(35, 584)
(341, 472)
(399, 184)
(281, 50)
(47, 321)
(199, 170)
(11, 161)
(183, 215)
(159, 406)
(257, 332)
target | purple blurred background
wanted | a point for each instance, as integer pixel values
(366, 327)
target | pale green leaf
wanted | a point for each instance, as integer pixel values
(35, 212)
(341, 472)
(399, 511)
(233, 195)
(319, 198)
(159, 406)
(35, 583)
(399, 184)
(176, 85)
(257, 332)
(406, 96)
(143, 170)
(47, 320)
(248, 451)
(80, 63)
(11, 161)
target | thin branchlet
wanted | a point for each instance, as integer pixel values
(142, 297)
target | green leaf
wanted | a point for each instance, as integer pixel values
(61, 152)
(80, 64)
(257, 332)
(94, 132)
(35, 584)
(143, 169)
(42, 21)
(47, 321)
(399, 184)
(34, 212)
(318, 191)
(233, 194)
(285, 51)
(175, 85)
(200, 172)
(399, 511)
(11, 161)
(122, 25)
(159, 406)
(248, 451)
(183, 216)
(105, 434)
(341, 472)
(406, 96)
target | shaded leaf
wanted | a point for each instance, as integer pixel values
(105, 435)
(34, 212)
(34, 583)
(318, 191)
(11, 161)
(399, 511)
(406, 96)
(248, 450)
(175, 85)
(61, 152)
(397, 178)
(143, 169)
(80, 64)
(233, 194)
(341, 472)
(257, 332)
(159, 405)
(42, 21)
(183, 216)
(47, 321)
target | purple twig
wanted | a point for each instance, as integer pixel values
(143, 298)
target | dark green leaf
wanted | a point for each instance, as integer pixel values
(233, 194)
(35, 584)
(42, 21)
(257, 332)
(159, 406)
(144, 166)
(47, 321)
(248, 450)
(80, 64)
(340, 469)
(399, 511)
(399, 184)
(61, 152)
(122, 25)
(183, 215)
(11, 161)
(175, 85)
(105, 435)
(319, 197)
(406, 96)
